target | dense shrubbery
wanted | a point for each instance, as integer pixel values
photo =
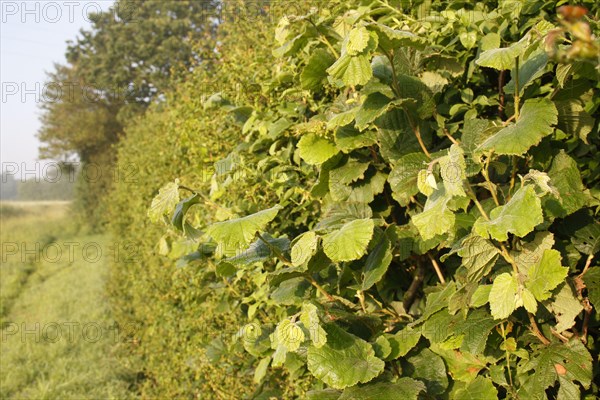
(403, 203)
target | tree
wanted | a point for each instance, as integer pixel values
(115, 70)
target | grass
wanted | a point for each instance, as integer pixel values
(58, 338)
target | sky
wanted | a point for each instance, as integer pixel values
(33, 36)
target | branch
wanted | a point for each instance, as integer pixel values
(536, 330)
(438, 271)
(411, 293)
(319, 287)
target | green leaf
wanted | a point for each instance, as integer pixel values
(402, 342)
(404, 175)
(546, 275)
(259, 251)
(587, 239)
(238, 233)
(531, 253)
(292, 291)
(481, 296)
(310, 319)
(503, 58)
(375, 105)
(164, 202)
(436, 218)
(592, 282)
(395, 136)
(338, 214)
(453, 171)
(503, 296)
(519, 216)
(289, 335)
(314, 74)
(439, 326)
(566, 178)
(315, 149)
(344, 360)
(304, 248)
(478, 256)
(342, 119)
(382, 347)
(352, 70)
(358, 39)
(569, 361)
(428, 367)
(326, 394)
(565, 308)
(423, 104)
(261, 369)
(529, 71)
(438, 300)
(480, 388)
(403, 388)
(529, 301)
(461, 366)
(391, 39)
(350, 242)
(182, 208)
(348, 138)
(348, 172)
(534, 123)
(574, 119)
(377, 263)
(476, 329)
(362, 191)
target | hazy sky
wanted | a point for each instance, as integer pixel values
(33, 37)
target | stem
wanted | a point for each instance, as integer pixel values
(491, 186)
(275, 251)
(477, 203)
(395, 84)
(509, 259)
(324, 39)
(319, 287)
(417, 133)
(588, 262)
(438, 271)
(517, 94)
(501, 94)
(361, 297)
(513, 177)
(449, 136)
(411, 293)
(536, 331)
(507, 356)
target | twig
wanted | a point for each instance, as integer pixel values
(507, 356)
(588, 262)
(361, 298)
(449, 136)
(438, 271)
(417, 132)
(536, 330)
(559, 336)
(501, 94)
(275, 251)
(517, 89)
(411, 293)
(486, 175)
(319, 287)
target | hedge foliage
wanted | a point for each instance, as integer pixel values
(400, 203)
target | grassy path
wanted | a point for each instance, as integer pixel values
(58, 338)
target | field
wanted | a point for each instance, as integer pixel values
(58, 338)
